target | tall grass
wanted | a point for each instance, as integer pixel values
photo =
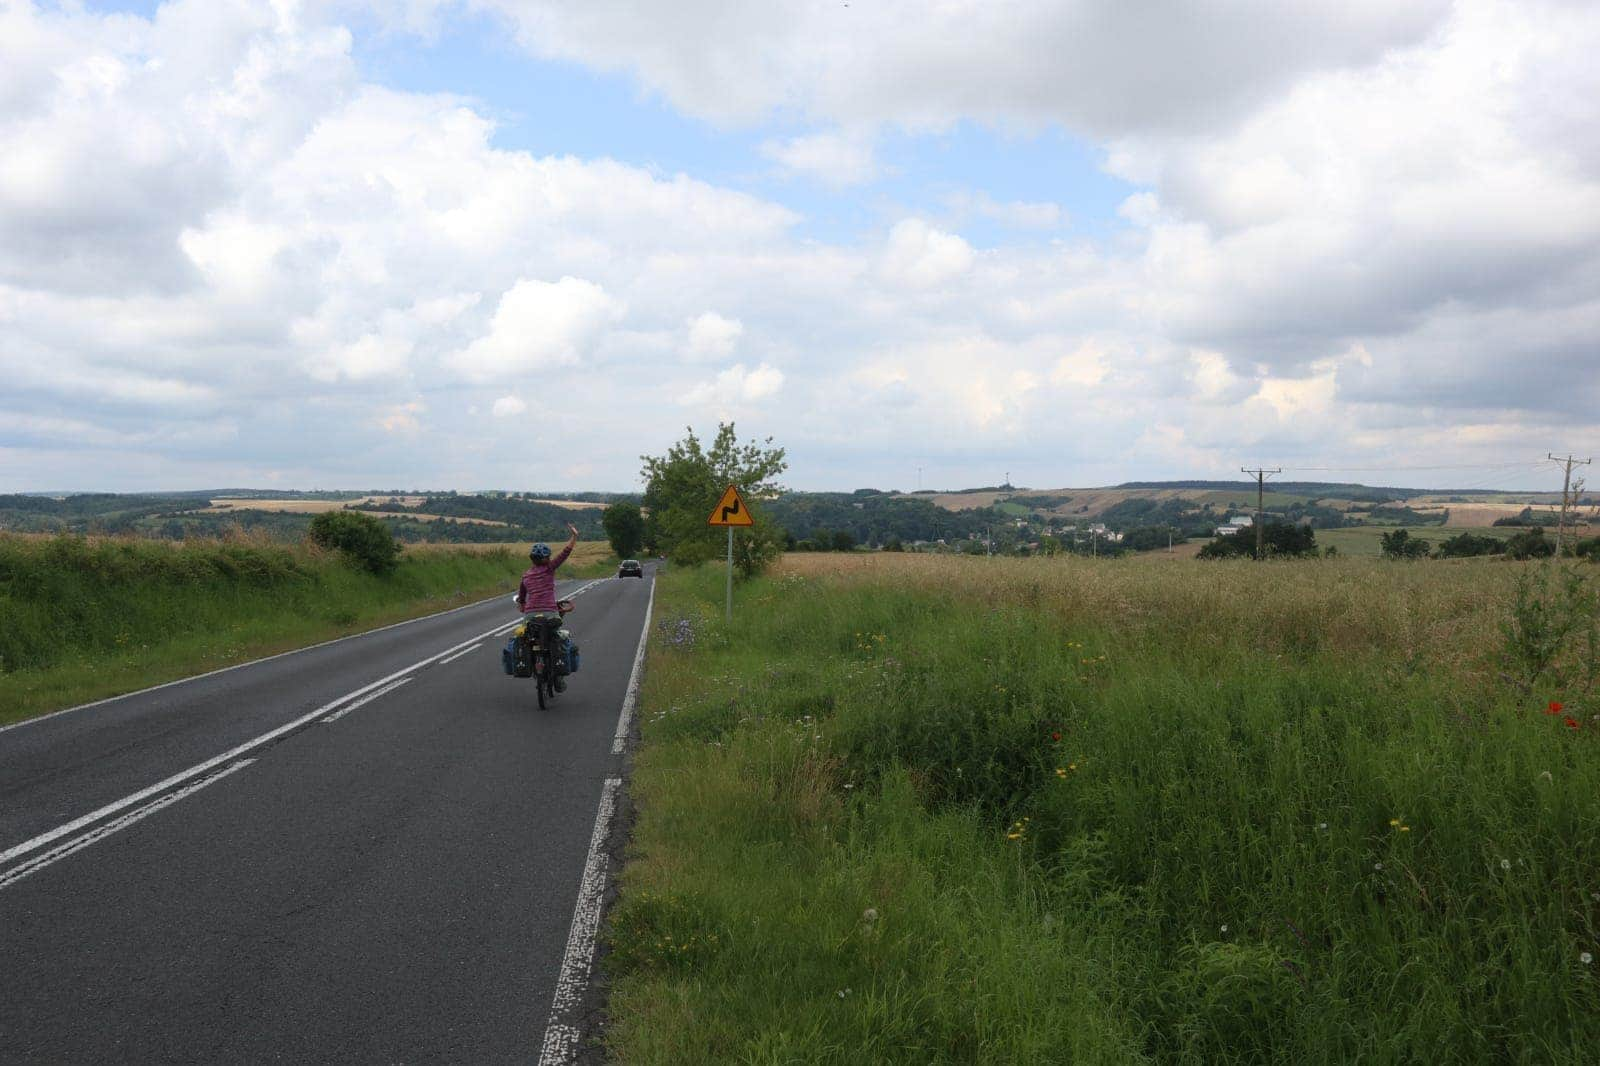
(86, 617)
(926, 809)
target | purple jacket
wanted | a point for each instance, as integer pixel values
(538, 591)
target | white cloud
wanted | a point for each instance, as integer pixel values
(369, 357)
(539, 325)
(1085, 367)
(1098, 65)
(1016, 214)
(712, 336)
(402, 418)
(211, 230)
(736, 385)
(919, 256)
(509, 407)
(834, 158)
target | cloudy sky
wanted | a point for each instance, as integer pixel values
(516, 243)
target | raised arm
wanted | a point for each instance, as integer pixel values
(572, 541)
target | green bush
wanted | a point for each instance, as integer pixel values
(361, 538)
(1280, 539)
(1400, 544)
(1467, 545)
(1530, 544)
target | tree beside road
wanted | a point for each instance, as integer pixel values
(624, 525)
(684, 484)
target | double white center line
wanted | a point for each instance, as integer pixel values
(185, 781)
(100, 832)
(459, 654)
(369, 697)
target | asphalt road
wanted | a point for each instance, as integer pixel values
(393, 879)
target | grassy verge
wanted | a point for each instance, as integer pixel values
(926, 809)
(83, 618)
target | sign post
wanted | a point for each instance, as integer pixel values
(730, 511)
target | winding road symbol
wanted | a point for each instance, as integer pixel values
(730, 510)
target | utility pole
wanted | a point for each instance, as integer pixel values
(1566, 483)
(1261, 476)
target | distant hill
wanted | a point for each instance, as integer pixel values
(1004, 514)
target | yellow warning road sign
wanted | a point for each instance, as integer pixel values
(731, 511)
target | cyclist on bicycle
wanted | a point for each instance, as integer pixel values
(537, 593)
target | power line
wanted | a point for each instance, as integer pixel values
(1488, 481)
(1368, 469)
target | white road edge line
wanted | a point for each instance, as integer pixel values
(364, 700)
(100, 832)
(241, 666)
(459, 654)
(561, 1035)
(199, 768)
(625, 719)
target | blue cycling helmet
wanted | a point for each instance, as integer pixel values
(539, 552)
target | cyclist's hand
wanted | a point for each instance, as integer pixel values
(574, 530)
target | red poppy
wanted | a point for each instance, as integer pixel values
(1554, 708)
(1055, 736)
(1570, 722)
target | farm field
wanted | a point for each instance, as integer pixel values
(1468, 512)
(590, 558)
(575, 505)
(913, 808)
(297, 505)
(229, 506)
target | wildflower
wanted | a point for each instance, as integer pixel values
(1555, 707)
(1505, 864)
(1405, 829)
(1061, 771)
(870, 914)
(1055, 736)
(1224, 928)
(1546, 775)
(1394, 822)
(1378, 866)
(1570, 722)
(1585, 958)
(1595, 896)
(1322, 825)
(1072, 766)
